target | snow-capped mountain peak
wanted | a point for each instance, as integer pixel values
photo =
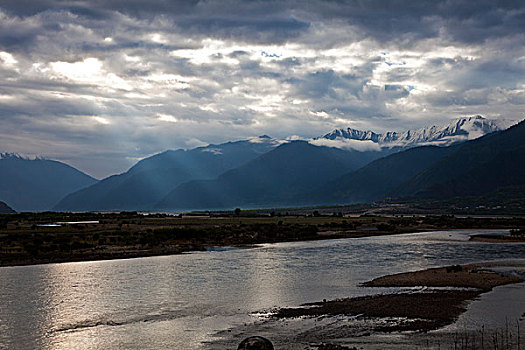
(457, 131)
(16, 156)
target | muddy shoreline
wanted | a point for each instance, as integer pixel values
(497, 239)
(423, 310)
(427, 300)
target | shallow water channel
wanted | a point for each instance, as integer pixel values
(181, 301)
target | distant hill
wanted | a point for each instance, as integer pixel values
(477, 167)
(37, 184)
(379, 178)
(5, 209)
(274, 178)
(152, 178)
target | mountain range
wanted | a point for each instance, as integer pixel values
(148, 181)
(460, 130)
(37, 184)
(488, 164)
(271, 179)
(262, 171)
(378, 179)
(478, 167)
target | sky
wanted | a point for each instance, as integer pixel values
(101, 84)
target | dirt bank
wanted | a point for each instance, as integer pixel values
(393, 321)
(468, 276)
(422, 310)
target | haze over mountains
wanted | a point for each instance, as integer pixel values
(272, 179)
(148, 181)
(342, 167)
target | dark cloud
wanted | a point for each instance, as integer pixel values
(266, 21)
(258, 30)
(109, 82)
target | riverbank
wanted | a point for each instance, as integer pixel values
(163, 240)
(39, 238)
(423, 310)
(427, 300)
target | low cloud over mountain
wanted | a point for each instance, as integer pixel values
(102, 85)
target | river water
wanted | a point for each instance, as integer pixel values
(181, 301)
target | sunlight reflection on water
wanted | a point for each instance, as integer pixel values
(179, 301)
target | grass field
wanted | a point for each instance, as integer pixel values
(30, 238)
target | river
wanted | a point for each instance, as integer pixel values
(182, 301)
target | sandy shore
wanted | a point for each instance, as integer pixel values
(468, 276)
(423, 310)
(394, 321)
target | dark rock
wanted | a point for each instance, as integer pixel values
(454, 268)
(255, 343)
(334, 347)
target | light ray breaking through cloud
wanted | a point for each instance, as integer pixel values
(101, 84)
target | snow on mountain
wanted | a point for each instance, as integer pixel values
(261, 140)
(460, 130)
(15, 156)
(266, 139)
(266, 142)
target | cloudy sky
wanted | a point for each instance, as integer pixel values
(100, 84)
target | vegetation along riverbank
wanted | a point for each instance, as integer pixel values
(35, 238)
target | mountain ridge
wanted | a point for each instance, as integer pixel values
(473, 168)
(378, 178)
(274, 178)
(149, 180)
(459, 130)
(475, 154)
(35, 184)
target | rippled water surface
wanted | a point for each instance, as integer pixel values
(181, 301)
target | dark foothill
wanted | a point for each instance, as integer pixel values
(255, 343)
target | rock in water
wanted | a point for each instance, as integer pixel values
(255, 343)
